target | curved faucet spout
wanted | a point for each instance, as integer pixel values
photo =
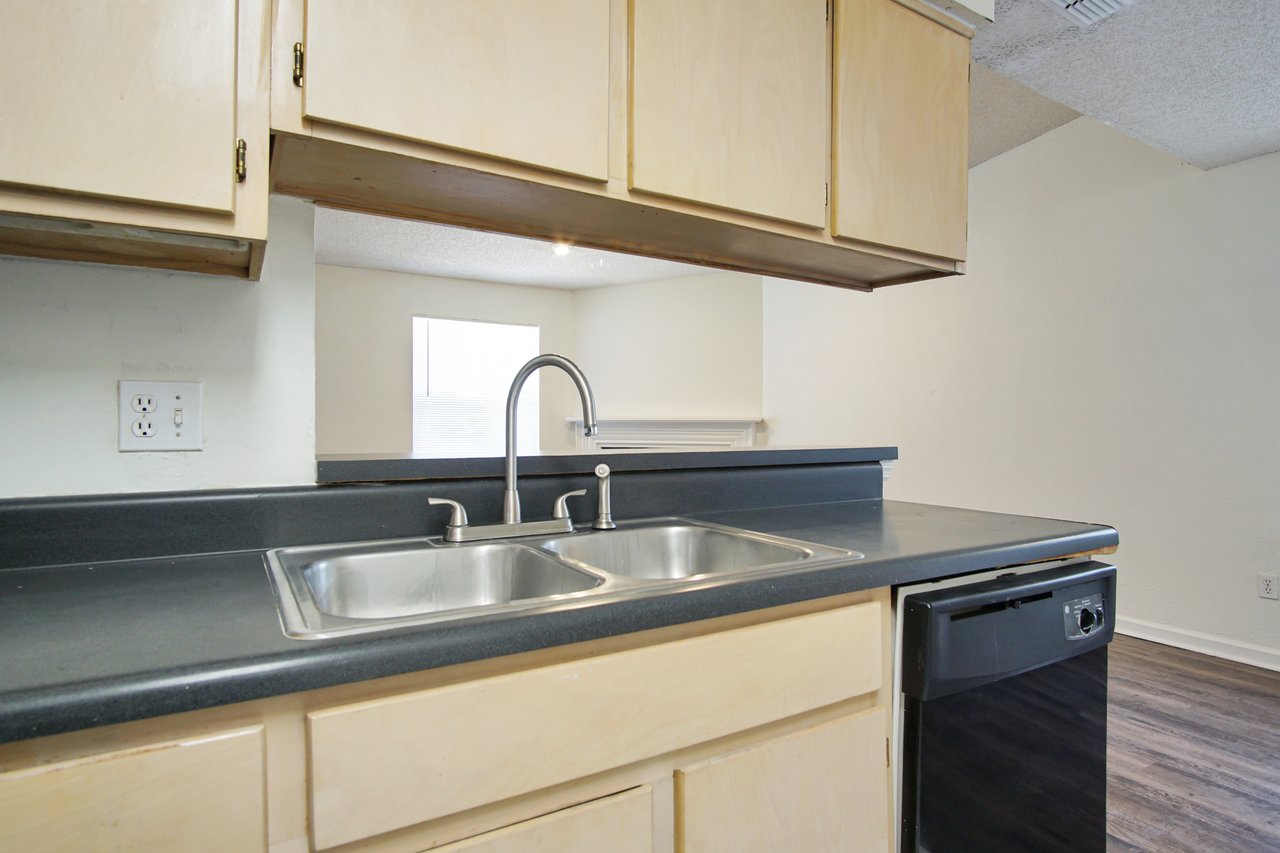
(510, 497)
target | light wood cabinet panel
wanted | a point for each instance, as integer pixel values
(205, 793)
(622, 823)
(730, 104)
(390, 763)
(133, 101)
(521, 80)
(124, 149)
(900, 158)
(824, 788)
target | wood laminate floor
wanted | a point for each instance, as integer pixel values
(1193, 752)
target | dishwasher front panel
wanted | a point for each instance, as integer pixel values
(1018, 764)
(1004, 712)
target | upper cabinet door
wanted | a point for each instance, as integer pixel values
(132, 101)
(520, 80)
(729, 104)
(900, 164)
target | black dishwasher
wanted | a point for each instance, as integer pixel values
(1004, 712)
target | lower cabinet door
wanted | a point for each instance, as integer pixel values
(621, 823)
(824, 788)
(206, 793)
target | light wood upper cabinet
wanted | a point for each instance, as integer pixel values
(119, 130)
(823, 788)
(901, 129)
(132, 101)
(520, 80)
(203, 793)
(730, 104)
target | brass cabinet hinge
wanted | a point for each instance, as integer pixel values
(297, 63)
(241, 171)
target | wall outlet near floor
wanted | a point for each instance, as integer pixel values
(161, 415)
(1268, 586)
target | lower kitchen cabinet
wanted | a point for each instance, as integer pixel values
(757, 731)
(822, 788)
(204, 793)
(622, 823)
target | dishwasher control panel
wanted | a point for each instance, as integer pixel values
(1083, 616)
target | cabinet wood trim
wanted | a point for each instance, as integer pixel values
(390, 763)
(196, 794)
(363, 178)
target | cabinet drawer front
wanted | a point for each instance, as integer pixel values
(133, 101)
(207, 793)
(730, 105)
(825, 788)
(522, 80)
(622, 823)
(390, 763)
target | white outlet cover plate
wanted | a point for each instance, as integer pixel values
(178, 419)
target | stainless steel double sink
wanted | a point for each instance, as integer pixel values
(333, 590)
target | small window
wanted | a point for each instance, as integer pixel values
(462, 370)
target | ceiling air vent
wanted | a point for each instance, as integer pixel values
(1086, 12)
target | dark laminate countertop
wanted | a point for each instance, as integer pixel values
(97, 643)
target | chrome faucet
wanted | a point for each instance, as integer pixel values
(511, 497)
(458, 530)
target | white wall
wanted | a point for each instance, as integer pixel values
(677, 348)
(1112, 356)
(364, 351)
(69, 332)
(673, 348)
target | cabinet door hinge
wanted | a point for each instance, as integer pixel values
(241, 171)
(297, 63)
(828, 10)
(826, 194)
(887, 754)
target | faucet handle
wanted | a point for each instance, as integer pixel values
(561, 509)
(457, 518)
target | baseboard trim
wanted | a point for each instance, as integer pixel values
(1196, 641)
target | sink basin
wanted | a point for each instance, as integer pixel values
(381, 582)
(675, 548)
(332, 590)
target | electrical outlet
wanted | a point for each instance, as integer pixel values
(1268, 586)
(161, 415)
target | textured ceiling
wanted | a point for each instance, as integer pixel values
(345, 239)
(1198, 79)
(1003, 114)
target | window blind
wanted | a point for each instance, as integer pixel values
(462, 370)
